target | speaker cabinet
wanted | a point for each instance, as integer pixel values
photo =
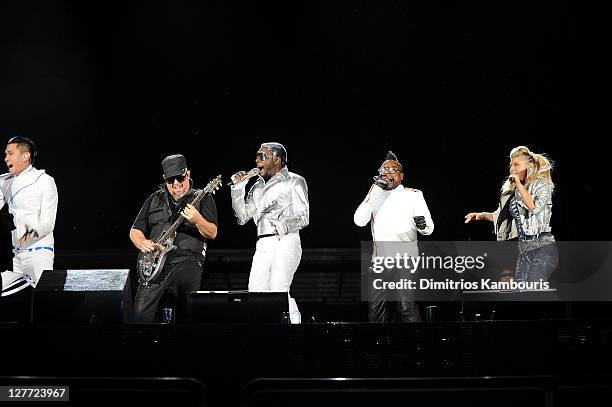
(83, 296)
(238, 306)
(17, 307)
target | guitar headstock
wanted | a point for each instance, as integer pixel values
(213, 185)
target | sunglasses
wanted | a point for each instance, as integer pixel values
(389, 170)
(262, 156)
(179, 178)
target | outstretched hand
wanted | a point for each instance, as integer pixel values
(473, 216)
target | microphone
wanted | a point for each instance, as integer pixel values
(378, 180)
(511, 179)
(249, 175)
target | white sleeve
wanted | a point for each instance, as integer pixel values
(301, 208)
(541, 196)
(45, 223)
(375, 197)
(421, 209)
(243, 209)
(2, 185)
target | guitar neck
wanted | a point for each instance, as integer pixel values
(172, 229)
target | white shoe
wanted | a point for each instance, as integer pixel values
(294, 313)
(295, 317)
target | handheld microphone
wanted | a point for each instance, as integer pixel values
(380, 181)
(249, 175)
(511, 179)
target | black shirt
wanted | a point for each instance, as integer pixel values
(188, 241)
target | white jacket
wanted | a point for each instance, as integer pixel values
(32, 200)
(391, 214)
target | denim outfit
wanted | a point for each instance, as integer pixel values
(531, 227)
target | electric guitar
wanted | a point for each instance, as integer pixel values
(150, 264)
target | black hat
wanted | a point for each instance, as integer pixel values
(174, 165)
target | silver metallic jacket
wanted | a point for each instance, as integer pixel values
(279, 206)
(534, 221)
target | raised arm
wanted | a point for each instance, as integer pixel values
(372, 200)
(244, 209)
(479, 216)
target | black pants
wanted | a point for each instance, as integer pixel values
(180, 280)
(392, 306)
(381, 310)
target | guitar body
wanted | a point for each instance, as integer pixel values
(151, 264)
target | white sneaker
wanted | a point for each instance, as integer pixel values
(295, 317)
(294, 313)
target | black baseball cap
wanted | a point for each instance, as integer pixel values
(174, 165)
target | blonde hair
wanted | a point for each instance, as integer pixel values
(540, 166)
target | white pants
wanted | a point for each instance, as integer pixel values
(27, 269)
(274, 263)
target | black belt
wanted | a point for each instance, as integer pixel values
(267, 235)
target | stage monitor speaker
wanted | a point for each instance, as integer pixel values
(238, 306)
(83, 296)
(17, 307)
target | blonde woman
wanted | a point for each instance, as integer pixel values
(524, 213)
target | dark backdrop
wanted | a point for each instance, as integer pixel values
(108, 89)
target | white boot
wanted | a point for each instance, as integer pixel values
(294, 312)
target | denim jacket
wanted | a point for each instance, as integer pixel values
(534, 221)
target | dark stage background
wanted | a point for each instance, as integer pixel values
(108, 89)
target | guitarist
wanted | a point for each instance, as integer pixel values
(182, 271)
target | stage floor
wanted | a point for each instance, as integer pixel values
(264, 364)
